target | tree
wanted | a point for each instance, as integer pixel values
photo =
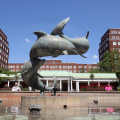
(111, 62)
(96, 70)
(118, 76)
(92, 77)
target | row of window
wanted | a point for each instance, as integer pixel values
(106, 39)
(4, 47)
(101, 56)
(2, 40)
(3, 66)
(15, 66)
(115, 32)
(58, 67)
(116, 43)
(4, 54)
(115, 37)
(67, 67)
(3, 59)
(103, 42)
(104, 47)
(1, 34)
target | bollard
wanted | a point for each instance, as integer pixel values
(34, 109)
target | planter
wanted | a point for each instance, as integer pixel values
(5, 89)
(95, 89)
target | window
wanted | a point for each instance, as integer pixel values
(113, 37)
(17, 66)
(117, 37)
(106, 45)
(114, 43)
(89, 67)
(85, 67)
(106, 38)
(114, 48)
(79, 66)
(60, 66)
(0, 38)
(47, 66)
(74, 71)
(118, 43)
(114, 32)
(74, 67)
(0, 50)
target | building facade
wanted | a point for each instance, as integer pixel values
(4, 50)
(56, 65)
(109, 41)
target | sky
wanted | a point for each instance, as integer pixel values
(20, 18)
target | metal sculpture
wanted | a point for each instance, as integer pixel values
(51, 45)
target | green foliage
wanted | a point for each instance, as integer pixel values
(118, 89)
(111, 62)
(96, 70)
(118, 76)
(24, 89)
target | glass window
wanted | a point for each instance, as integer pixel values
(117, 37)
(17, 66)
(74, 71)
(79, 66)
(63, 66)
(114, 43)
(106, 45)
(85, 67)
(113, 37)
(60, 66)
(74, 67)
(114, 32)
(118, 43)
(89, 67)
(0, 38)
(47, 66)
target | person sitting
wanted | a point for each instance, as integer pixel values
(108, 87)
(16, 87)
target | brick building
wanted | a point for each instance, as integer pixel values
(4, 50)
(56, 65)
(109, 41)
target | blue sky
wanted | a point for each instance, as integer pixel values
(20, 18)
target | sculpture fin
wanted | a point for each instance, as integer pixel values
(65, 52)
(87, 34)
(40, 34)
(83, 56)
(58, 29)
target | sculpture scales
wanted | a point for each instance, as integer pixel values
(51, 45)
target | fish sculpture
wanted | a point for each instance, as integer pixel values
(51, 45)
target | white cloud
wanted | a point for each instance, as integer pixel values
(95, 56)
(27, 40)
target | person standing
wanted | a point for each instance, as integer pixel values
(108, 87)
(16, 87)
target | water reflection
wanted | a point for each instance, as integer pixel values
(87, 113)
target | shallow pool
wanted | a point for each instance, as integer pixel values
(86, 113)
